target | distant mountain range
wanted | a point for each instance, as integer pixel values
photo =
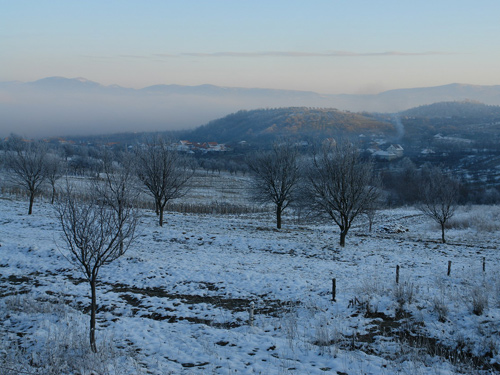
(62, 106)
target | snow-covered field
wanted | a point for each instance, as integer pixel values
(178, 301)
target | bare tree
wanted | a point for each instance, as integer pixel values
(341, 185)
(276, 176)
(95, 236)
(438, 197)
(164, 173)
(27, 164)
(116, 186)
(54, 169)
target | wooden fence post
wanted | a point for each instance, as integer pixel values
(334, 290)
(397, 274)
(449, 267)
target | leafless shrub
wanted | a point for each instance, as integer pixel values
(369, 293)
(441, 308)
(217, 208)
(404, 293)
(29, 305)
(325, 335)
(290, 325)
(60, 346)
(477, 218)
(479, 300)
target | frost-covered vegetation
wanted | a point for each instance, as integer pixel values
(216, 289)
(178, 301)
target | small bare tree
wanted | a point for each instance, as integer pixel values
(117, 186)
(27, 164)
(55, 168)
(438, 197)
(164, 173)
(341, 185)
(371, 212)
(276, 176)
(95, 236)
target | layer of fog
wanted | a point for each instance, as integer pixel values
(71, 113)
(59, 106)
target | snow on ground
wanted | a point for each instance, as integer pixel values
(178, 301)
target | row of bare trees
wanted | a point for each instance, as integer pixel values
(337, 183)
(99, 216)
(99, 221)
(160, 170)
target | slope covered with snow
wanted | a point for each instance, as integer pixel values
(178, 301)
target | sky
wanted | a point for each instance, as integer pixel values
(327, 46)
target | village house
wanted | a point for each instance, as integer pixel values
(396, 149)
(393, 152)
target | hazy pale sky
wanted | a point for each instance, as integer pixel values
(328, 46)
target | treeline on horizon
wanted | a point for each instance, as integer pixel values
(399, 177)
(263, 126)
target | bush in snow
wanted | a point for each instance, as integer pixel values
(479, 300)
(441, 308)
(404, 293)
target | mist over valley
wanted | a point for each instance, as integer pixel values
(58, 106)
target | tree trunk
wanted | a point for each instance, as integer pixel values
(120, 220)
(53, 194)
(32, 199)
(278, 216)
(93, 310)
(160, 219)
(442, 233)
(343, 234)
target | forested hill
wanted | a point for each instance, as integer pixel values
(457, 109)
(265, 125)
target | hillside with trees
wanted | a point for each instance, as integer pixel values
(457, 109)
(265, 125)
(463, 119)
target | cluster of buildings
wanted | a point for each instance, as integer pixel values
(192, 147)
(392, 152)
